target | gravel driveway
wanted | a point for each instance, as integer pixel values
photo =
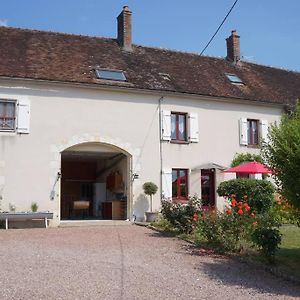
(123, 262)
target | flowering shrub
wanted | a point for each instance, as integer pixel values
(225, 231)
(283, 211)
(182, 216)
(260, 192)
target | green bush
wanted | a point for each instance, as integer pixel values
(267, 239)
(34, 207)
(266, 235)
(181, 216)
(260, 193)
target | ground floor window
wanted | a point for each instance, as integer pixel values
(179, 184)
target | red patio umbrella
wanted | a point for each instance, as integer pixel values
(252, 167)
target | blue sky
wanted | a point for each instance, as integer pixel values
(269, 29)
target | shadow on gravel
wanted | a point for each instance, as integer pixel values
(230, 272)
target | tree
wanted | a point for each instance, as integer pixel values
(245, 157)
(282, 155)
(150, 189)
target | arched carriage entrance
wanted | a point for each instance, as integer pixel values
(95, 182)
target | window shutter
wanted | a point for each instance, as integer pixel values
(166, 181)
(165, 125)
(264, 130)
(23, 119)
(243, 131)
(194, 128)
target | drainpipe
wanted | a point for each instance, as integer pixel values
(160, 144)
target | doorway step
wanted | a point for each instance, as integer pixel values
(85, 223)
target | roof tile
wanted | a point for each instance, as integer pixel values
(73, 58)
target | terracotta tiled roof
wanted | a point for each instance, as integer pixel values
(73, 58)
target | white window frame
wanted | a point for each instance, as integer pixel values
(191, 126)
(262, 131)
(8, 100)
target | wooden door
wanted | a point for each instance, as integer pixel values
(208, 194)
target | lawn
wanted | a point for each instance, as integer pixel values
(287, 260)
(288, 257)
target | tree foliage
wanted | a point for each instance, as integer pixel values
(150, 188)
(282, 155)
(245, 157)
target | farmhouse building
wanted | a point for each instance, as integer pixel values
(85, 121)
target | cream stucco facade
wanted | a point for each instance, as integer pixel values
(65, 115)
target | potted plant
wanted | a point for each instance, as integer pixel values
(150, 189)
(34, 207)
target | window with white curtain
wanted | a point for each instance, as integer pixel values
(178, 126)
(7, 115)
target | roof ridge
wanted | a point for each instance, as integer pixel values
(179, 51)
(56, 32)
(108, 38)
(270, 66)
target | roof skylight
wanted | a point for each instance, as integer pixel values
(165, 76)
(233, 78)
(110, 74)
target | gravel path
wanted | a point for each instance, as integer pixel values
(123, 262)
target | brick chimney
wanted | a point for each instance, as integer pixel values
(124, 29)
(233, 47)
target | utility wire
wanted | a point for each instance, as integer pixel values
(233, 5)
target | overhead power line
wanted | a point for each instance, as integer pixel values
(211, 39)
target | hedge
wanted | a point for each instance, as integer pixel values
(260, 193)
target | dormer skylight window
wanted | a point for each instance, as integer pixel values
(233, 78)
(109, 74)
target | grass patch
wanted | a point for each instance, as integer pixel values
(288, 256)
(287, 259)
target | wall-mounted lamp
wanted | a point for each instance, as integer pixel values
(52, 193)
(135, 176)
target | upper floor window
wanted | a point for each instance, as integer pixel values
(178, 127)
(179, 183)
(252, 130)
(7, 115)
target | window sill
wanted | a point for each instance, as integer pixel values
(179, 200)
(253, 146)
(179, 142)
(8, 133)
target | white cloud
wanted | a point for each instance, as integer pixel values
(3, 22)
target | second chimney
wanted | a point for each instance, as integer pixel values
(124, 29)
(233, 47)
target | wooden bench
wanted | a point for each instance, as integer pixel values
(23, 216)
